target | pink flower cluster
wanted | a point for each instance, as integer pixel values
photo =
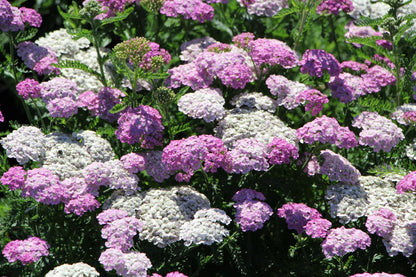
(189, 9)
(111, 7)
(378, 132)
(14, 178)
(13, 19)
(247, 154)
(334, 6)
(300, 217)
(269, 52)
(381, 222)
(100, 104)
(133, 162)
(190, 154)
(408, 183)
(129, 264)
(28, 88)
(315, 61)
(242, 40)
(38, 58)
(341, 241)
(27, 251)
(314, 100)
(142, 124)
(338, 168)
(119, 229)
(280, 151)
(326, 130)
(170, 274)
(251, 212)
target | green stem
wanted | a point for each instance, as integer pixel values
(302, 25)
(97, 43)
(334, 36)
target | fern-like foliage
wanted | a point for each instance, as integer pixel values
(367, 21)
(286, 12)
(27, 34)
(119, 17)
(78, 65)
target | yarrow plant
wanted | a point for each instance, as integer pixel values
(26, 251)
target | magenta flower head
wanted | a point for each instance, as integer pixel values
(334, 6)
(6, 15)
(314, 100)
(280, 151)
(381, 222)
(142, 124)
(14, 178)
(38, 58)
(297, 215)
(318, 227)
(341, 241)
(188, 9)
(28, 88)
(31, 17)
(27, 251)
(242, 40)
(315, 61)
(408, 183)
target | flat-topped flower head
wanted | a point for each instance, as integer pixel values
(27, 251)
(242, 40)
(315, 61)
(188, 9)
(38, 58)
(280, 151)
(297, 215)
(334, 6)
(314, 100)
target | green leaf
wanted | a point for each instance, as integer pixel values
(117, 18)
(78, 65)
(286, 12)
(367, 21)
(118, 108)
(221, 27)
(69, 16)
(83, 33)
(27, 34)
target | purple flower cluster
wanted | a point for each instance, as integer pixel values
(13, 19)
(378, 132)
(315, 61)
(378, 77)
(280, 151)
(119, 229)
(155, 58)
(14, 178)
(360, 31)
(381, 222)
(28, 88)
(82, 204)
(269, 52)
(408, 183)
(190, 154)
(338, 168)
(326, 130)
(314, 100)
(298, 215)
(251, 212)
(27, 251)
(287, 91)
(111, 7)
(334, 6)
(354, 66)
(189, 9)
(154, 166)
(60, 96)
(100, 104)
(142, 124)
(242, 40)
(247, 154)
(130, 264)
(38, 58)
(43, 185)
(341, 241)
(347, 87)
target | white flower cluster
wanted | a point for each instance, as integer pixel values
(168, 215)
(349, 202)
(411, 150)
(286, 90)
(400, 110)
(62, 43)
(254, 100)
(67, 155)
(257, 124)
(191, 49)
(73, 270)
(206, 103)
(66, 48)
(24, 144)
(368, 9)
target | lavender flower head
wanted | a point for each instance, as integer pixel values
(30, 16)
(154, 166)
(207, 104)
(297, 215)
(24, 144)
(188, 9)
(315, 61)
(334, 6)
(43, 185)
(242, 40)
(130, 264)
(27, 251)
(120, 232)
(6, 16)
(251, 214)
(38, 58)
(280, 151)
(133, 162)
(193, 153)
(404, 113)
(191, 49)
(269, 52)
(247, 154)
(314, 100)
(381, 222)
(13, 19)
(379, 132)
(338, 168)
(347, 87)
(378, 77)
(326, 130)
(341, 241)
(142, 124)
